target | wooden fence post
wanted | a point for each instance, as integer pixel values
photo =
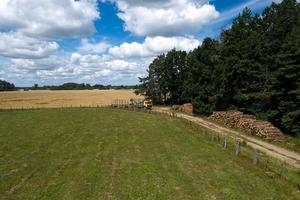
(282, 169)
(225, 142)
(267, 165)
(256, 157)
(237, 149)
(213, 137)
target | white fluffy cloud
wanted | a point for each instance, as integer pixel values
(52, 19)
(16, 45)
(165, 18)
(33, 28)
(76, 67)
(92, 62)
(121, 65)
(33, 24)
(89, 46)
(153, 46)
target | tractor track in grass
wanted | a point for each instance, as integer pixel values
(290, 157)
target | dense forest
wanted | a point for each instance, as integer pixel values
(254, 66)
(6, 86)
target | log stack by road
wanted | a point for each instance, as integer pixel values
(237, 119)
(187, 108)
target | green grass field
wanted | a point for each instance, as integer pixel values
(117, 154)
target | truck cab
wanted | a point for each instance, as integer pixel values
(148, 104)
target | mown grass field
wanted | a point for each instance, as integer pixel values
(116, 154)
(62, 98)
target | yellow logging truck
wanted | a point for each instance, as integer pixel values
(148, 104)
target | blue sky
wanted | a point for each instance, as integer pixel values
(103, 41)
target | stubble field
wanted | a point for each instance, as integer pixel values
(62, 98)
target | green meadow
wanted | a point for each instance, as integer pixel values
(90, 153)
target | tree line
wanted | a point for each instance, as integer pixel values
(254, 66)
(82, 86)
(6, 86)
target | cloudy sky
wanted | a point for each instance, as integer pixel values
(103, 41)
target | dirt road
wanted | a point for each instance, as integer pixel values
(274, 151)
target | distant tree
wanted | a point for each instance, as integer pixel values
(165, 76)
(84, 86)
(203, 82)
(6, 86)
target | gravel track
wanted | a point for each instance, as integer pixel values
(290, 157)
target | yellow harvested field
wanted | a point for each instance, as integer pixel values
(62, 98)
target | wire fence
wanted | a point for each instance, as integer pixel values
(240, 151)
(237, 147)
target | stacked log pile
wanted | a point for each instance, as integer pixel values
(237, 119)
(187, 108)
